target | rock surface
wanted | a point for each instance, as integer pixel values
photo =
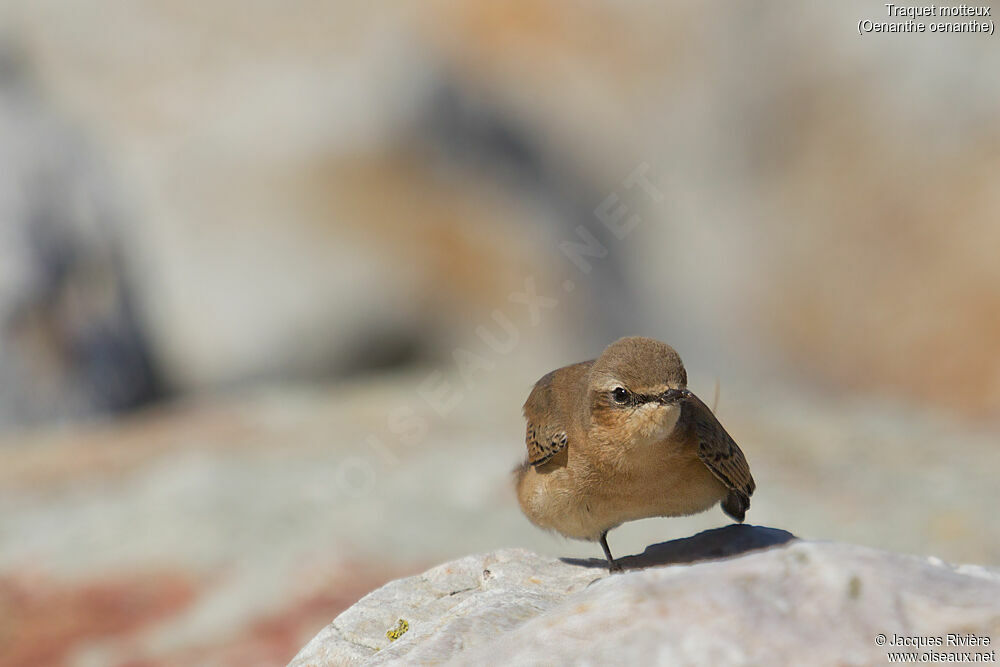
(210, 520)
(772, 599)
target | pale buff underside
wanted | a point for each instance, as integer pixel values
(585, 491)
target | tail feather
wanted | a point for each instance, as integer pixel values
(736, 505)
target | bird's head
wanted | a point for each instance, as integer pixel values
(635, 391)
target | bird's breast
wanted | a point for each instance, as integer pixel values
(598, 489)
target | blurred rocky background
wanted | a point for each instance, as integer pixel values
(275, 280)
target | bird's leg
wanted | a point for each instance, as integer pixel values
(613, 565)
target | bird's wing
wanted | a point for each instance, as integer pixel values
(720, 453)
(549, 418)
(545, 436)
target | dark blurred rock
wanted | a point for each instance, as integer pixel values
(71, 342)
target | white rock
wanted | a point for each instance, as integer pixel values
(795, 602)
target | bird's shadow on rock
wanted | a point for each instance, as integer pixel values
(714, 544)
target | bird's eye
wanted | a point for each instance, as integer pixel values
(620, 394)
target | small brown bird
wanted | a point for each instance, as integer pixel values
(621, 438)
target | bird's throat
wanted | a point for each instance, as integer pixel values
(655, 423)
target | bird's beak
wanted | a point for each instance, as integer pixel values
(674, 395)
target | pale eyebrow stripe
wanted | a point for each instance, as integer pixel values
(611, 384)
(659, 389)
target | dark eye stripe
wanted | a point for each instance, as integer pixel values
(636, 399)
(633, 400)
